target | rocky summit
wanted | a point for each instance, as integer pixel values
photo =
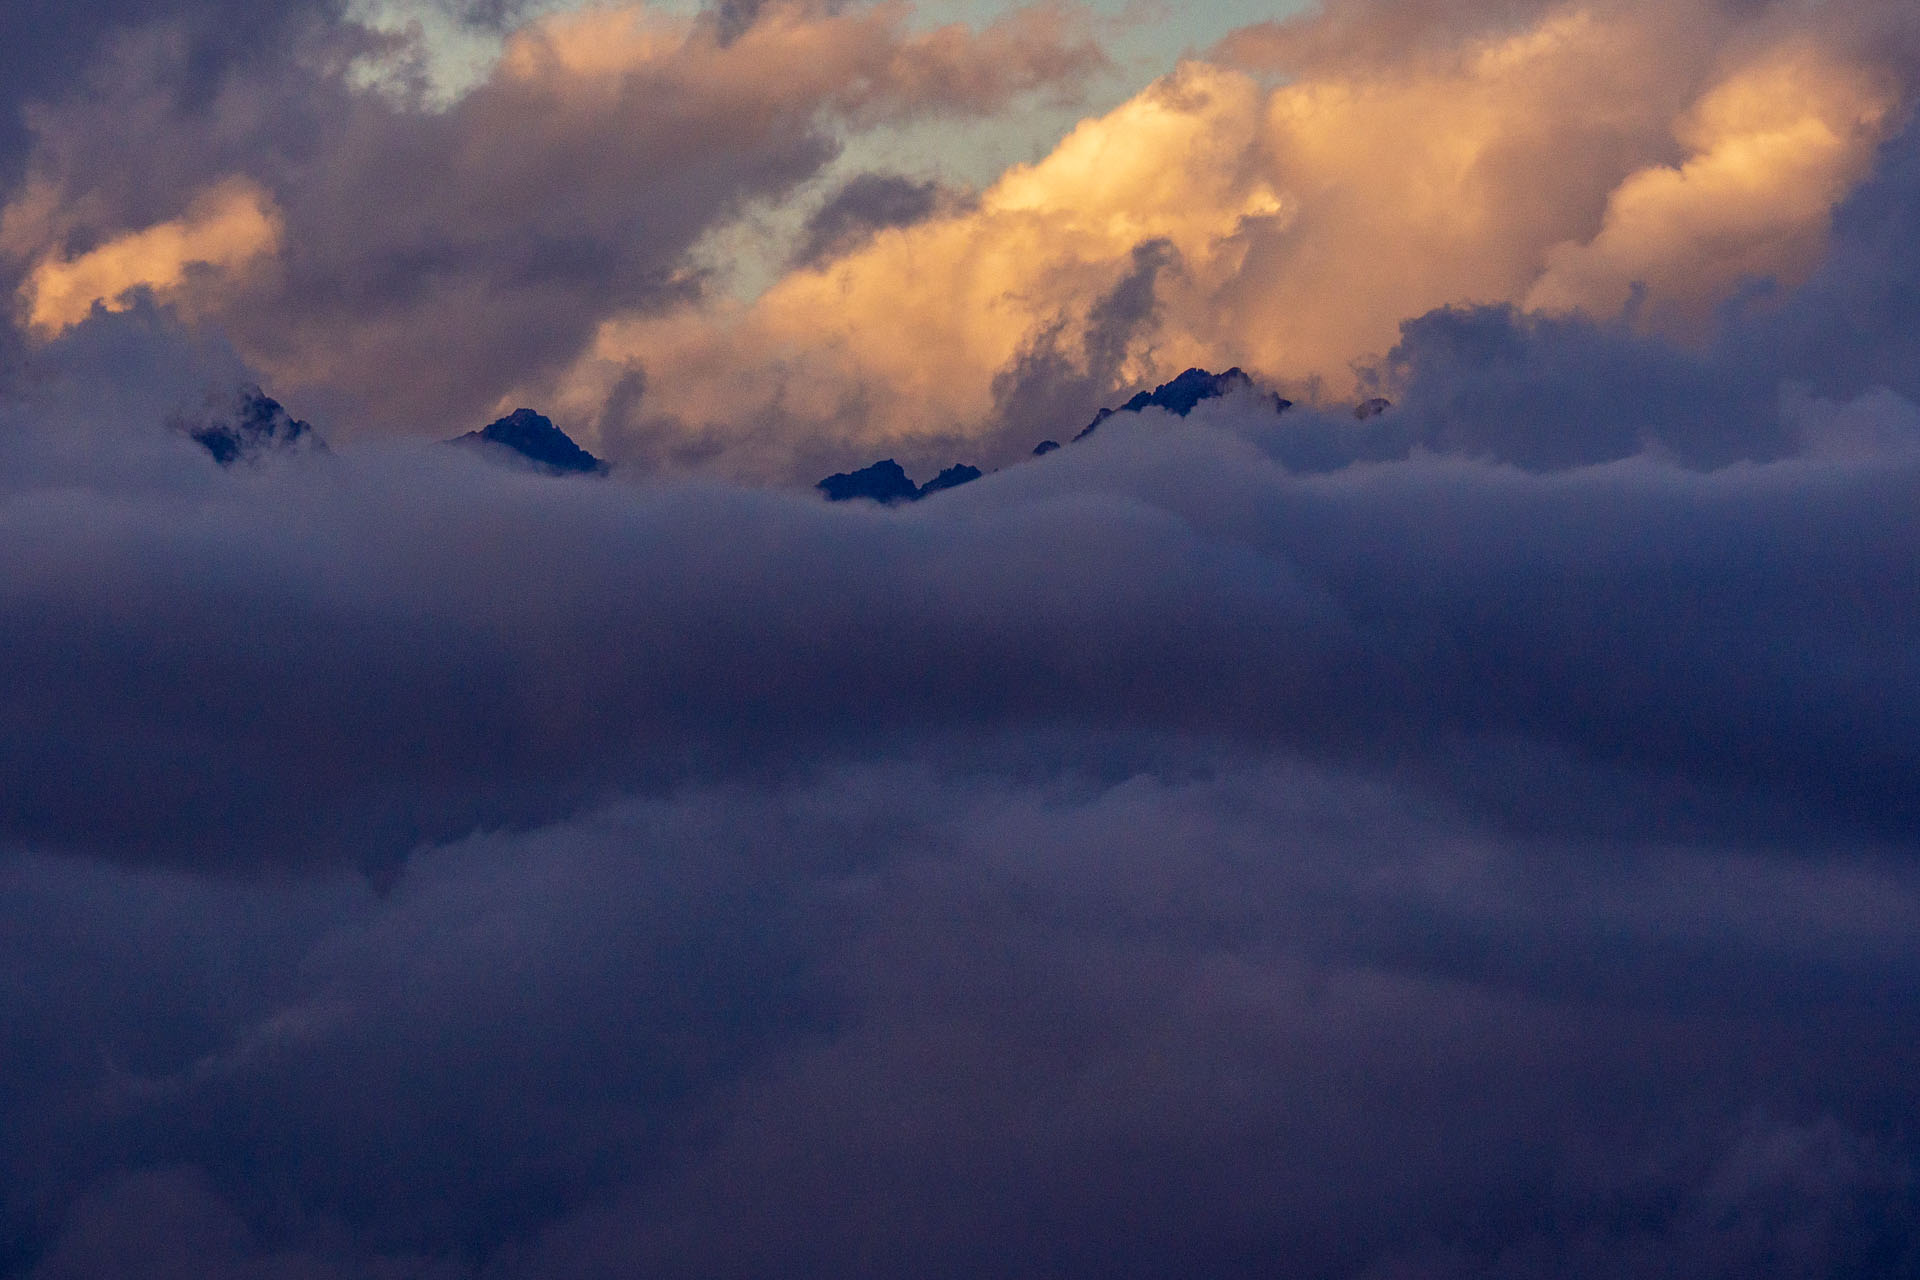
(1179, 397)
(531, 439)
(248, 425)
(886, 482)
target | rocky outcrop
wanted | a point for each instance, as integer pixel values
(526, 438)
(250, 425)
(1181, 395)
(886, 482)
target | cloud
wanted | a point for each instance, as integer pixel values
(1145, 855)
(866, 204)
(538, 239)
(1557, 157)
(1851, 326)
(1546, 392)
(480, 240)
(49, 54)
(959, 297)
(1786, 371)
(1476, 840)
(166, 1224)
(904, 1018)
(861, 60)
(224, 229)
(1774, 148)
(338, 662)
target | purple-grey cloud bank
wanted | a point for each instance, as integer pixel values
(1475, 840)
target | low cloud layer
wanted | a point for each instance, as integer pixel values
(345, 657)
(897, 1021)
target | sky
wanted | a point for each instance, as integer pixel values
(1477, 838)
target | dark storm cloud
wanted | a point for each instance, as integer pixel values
(866, 204)
(52, 44)
(1547, 392)
(901, 1019)
(1857, 323)
(1142, 859)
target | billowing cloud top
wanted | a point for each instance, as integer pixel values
(349, 238)
(1566, 158)
(1473, 838)
(1281, 204)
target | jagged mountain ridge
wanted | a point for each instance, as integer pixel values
(886, 482)
(252, 425)
(532, 439)
(248, 426)
(1181, 395)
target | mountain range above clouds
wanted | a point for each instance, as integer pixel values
(246, 425)
(524, 437)
(886, 482)
(1182, 394)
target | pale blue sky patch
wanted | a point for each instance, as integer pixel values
(1143, 39)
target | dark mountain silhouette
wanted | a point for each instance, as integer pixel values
(886, 482)
(250, 425)
(530, 438)
(954, 476)
(1181, 395)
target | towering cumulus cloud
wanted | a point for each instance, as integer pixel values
(1475, 836)
(1308, 188)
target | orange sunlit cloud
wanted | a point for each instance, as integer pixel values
(224, 229)
(1555, 165)
(1771, 150)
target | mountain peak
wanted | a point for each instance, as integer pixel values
(1179, 396)
(886, 482)
(954, 476)
(533, 438)
(249, 425)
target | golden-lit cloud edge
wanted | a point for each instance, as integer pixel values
(1584, 158)
(225, 229)
(1283, 203)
